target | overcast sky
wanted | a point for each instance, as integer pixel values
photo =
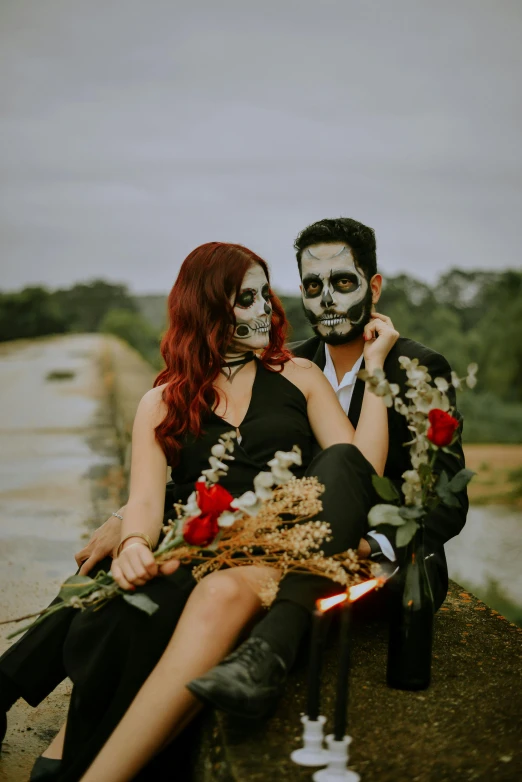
(133, 130)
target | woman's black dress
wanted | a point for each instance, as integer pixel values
(108, 654)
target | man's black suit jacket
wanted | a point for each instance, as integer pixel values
(442, 523)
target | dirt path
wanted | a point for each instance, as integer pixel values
(59, 475)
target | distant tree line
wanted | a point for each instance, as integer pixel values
(467, 315)
(86, 307)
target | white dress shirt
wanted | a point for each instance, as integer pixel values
(344, 392)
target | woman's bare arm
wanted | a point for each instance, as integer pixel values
(144, 510)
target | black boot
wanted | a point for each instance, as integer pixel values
(45, 770)
(248, 683)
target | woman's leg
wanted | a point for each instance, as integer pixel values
(55, 749)
(216, 612)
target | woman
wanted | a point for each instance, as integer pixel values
(221, 311)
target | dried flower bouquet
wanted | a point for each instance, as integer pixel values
(273, 525)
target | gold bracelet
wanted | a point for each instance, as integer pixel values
(142, 535)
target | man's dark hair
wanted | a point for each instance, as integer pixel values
(359, 238)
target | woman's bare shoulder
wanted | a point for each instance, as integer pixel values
(302, 368)
(297, 364)
(302, 372)
(151, 405)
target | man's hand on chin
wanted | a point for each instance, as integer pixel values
(102, 544)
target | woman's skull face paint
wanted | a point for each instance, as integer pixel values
(337, 298)
(252, 311)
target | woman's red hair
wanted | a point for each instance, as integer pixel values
(199, 333)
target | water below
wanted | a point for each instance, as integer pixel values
(486, 558)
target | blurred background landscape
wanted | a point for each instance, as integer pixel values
(468, 316)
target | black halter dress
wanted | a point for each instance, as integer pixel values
(276, 420)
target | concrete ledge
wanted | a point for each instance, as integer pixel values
(466, 726)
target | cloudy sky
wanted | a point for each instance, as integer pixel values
(133, 130)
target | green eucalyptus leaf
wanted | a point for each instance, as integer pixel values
(406, 533)
(385, 514)
(385, 488)
(412, 512)
(450, 500)
(460, 480)
(77, 586)
(142, 601)
(444, 492)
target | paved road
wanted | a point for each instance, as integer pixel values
(57, 461)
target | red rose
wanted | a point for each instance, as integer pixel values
(443, 427)
(212, 501)
(201, 530)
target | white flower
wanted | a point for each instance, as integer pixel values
(455, 380)
(471, 380)
(281, 462)
(227, 518)
(218, 465)
(419, 458)
(218, 450)
(265, 479)
(412, 487)
(441, 383)
(286, 458)
(192, 508)
(264, 493)
(227, 440)
(248, 503)
(262, 483)
(281, 474)
(400, 407)
(439, 401)
(423, 404)
(405, 362)
(417, 374)
(212, 475)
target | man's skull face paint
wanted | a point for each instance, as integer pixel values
(252, 311)
(337, 298)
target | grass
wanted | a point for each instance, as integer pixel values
(499, 474)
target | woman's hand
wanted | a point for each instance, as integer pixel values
(380, 336)
(136, 565)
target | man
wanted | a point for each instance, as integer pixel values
(340, 288)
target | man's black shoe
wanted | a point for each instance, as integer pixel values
(247, 683)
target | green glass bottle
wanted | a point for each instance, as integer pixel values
(411, 623)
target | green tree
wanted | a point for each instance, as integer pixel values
(134, 329)
(85, 305)
(29, 313)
